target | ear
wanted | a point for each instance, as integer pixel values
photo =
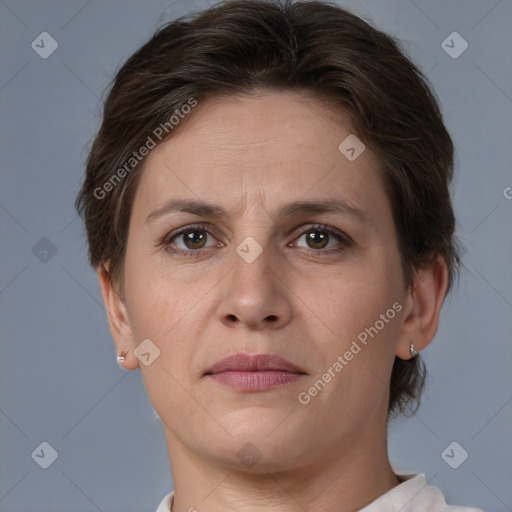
(118, 320)
(422, 308)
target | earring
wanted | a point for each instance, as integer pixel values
(414, 352)
(121, 357)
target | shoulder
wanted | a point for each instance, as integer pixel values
(455, 508)
(165, 504)
(414, 495)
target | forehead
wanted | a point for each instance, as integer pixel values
(268, 145)
(263, 125)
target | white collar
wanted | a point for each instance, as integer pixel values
(412, 495)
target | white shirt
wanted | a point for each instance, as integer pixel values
(413, 495)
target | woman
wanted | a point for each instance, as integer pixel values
(267, 208)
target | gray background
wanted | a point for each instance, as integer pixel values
(59, 380)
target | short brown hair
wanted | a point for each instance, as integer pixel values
(240, 46)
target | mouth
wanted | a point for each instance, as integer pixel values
(259, 372)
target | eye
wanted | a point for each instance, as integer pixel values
(321, 237)
(189, 240)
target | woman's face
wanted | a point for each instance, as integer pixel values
(258, 271)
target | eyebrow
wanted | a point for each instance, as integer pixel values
(205, 209)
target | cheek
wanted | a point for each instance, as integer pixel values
(358, 294)
(159, 311)
(357, 307)
(169, 312)
(155, 300)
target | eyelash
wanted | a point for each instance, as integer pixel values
(345, 240)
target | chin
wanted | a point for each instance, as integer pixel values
(261, 441)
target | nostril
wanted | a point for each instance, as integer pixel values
(271, 318)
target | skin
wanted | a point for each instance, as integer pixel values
(253, 155)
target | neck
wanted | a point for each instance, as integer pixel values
(338, 482)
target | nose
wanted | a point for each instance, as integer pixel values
(255, 295)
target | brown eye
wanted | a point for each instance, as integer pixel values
(316, 239)
(190, 240)
(323, 240)
(194, 239)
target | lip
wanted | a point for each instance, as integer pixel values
(258, 372)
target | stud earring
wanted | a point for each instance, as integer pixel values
(121, 357)
(414, 352)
